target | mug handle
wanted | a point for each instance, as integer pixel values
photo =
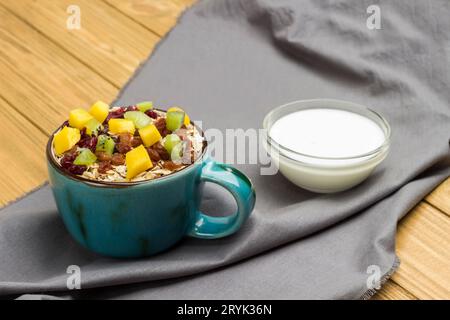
(208, 227)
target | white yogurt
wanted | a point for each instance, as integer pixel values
(328, 133)
(326, 145)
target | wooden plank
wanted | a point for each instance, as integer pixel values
(392, 291)
(108, 42)
(423, 242)
(440, 197)
(43, 81)
(21, 154)
(156, 15)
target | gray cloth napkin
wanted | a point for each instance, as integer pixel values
(228, 63)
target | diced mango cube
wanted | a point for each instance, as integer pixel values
(137, 161)
(186, 117)
(149, 135)
(121, 126)
(99, 111)
(78, 118)
(65, 139)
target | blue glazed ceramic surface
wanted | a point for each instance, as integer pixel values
(141, 219)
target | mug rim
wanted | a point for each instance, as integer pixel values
(60, 170)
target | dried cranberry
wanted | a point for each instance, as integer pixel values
(119, 111)
(170, 165)
(163, 154)
(83, 134)
(116, 114)
(103, 156)
(104, 166)
(77, 169)
(67, 163)
(152, 114)
(88, 142)
(132, 108)
(124, 144)
(153, 154)
(125, 138)
(160, 124)
(67, 160)
(123, 148)
(94, 141)
(136, 141)
(118, 159)
(165, 132)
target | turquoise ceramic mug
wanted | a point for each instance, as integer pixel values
(138, 219)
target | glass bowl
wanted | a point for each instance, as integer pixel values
(325, 174)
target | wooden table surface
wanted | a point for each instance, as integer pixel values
(47, 69)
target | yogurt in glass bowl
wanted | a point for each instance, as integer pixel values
(326, 145)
